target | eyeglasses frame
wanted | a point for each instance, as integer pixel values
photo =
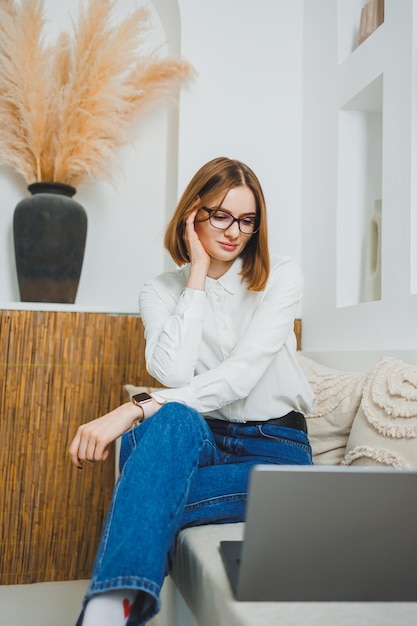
(235, 219)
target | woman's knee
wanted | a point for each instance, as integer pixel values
(178, 412)
(179, 418)
(174, 422)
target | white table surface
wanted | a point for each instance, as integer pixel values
(200, 576)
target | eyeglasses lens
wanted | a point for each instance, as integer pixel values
(223, 221)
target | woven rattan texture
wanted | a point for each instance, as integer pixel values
(57, 370)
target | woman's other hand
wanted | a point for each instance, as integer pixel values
(93, 438)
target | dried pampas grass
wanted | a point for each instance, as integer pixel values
(66, 108)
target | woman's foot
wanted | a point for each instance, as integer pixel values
(109, 609)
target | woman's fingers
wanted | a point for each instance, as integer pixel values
(87, 450)
(92, 439)
(89, 444)
(74, 450)
(189, 223)
(197, 253)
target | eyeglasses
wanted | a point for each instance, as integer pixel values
(223, 220)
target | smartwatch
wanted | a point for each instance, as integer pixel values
(142, 400)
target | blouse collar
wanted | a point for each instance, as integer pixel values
(230, 281)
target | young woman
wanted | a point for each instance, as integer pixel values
(219, 337)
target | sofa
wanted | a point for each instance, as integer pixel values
(360, 418)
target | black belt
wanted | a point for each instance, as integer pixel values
(291, 420)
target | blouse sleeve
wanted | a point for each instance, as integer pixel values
(173, 328)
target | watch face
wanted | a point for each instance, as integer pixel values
(142, 397)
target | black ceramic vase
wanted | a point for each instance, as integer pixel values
(49, 231)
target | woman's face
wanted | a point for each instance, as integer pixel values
(224, 246)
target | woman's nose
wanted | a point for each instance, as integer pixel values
(233, 230)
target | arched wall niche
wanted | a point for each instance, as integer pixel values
(126, 217)
(169, 14)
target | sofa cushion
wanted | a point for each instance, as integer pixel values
(384, 431)
(338, 396)
(132, 390)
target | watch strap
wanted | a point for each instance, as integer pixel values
(139, 420)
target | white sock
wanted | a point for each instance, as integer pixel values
(109, 609)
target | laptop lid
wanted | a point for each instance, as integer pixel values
(328, 533)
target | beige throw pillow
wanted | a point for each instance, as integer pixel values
(385, 429)
(338, 395)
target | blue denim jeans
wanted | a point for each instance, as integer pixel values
(179, 470)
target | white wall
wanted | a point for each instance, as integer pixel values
(245, 103)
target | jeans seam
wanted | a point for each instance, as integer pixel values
(106, 532)
(195, 465)
(235, 497)
(286, 440)
(109, 520)
(125, 582)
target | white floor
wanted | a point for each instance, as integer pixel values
(41, 604)
(59, 604)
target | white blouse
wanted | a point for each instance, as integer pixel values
(227, 352)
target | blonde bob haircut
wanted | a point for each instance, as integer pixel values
(209, 186)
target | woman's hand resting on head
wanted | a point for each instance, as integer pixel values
(199, 259)
(198, 255)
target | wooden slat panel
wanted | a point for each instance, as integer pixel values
(57, 370)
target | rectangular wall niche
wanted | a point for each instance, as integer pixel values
(359, 202)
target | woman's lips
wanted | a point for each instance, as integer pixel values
(228, 246)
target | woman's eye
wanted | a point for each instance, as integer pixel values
(248, 221)
(221, 217)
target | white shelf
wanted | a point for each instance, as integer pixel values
(348, 26)
(362, 67)
(54, 306)
(360, 101)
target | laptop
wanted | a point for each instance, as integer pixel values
(324, 533)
